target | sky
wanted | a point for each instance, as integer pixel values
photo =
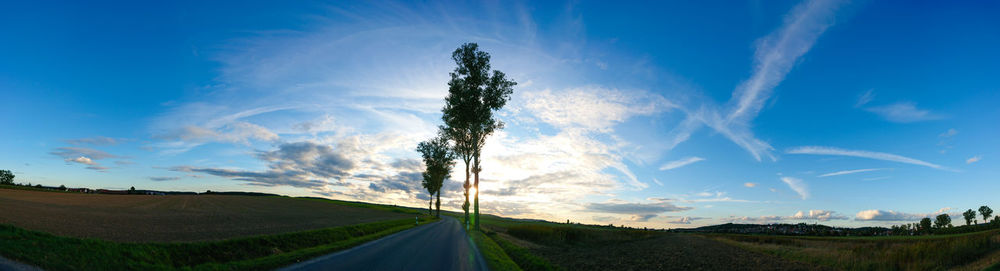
(663, 115)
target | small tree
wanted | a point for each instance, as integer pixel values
(942, 220)
(6, 177)
(969, 215)
(985, 211)
(925, 225)
(439, 159)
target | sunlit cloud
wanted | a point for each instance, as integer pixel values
(750, 185)
(973, 159)
(890, 215)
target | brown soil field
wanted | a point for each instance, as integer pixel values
(667, 252)
(174, 218)
(660, 252)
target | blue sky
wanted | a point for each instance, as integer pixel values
(671, 115)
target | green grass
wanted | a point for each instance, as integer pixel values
(896, 253)
(523, 257)
(496, 258)
(255, 253)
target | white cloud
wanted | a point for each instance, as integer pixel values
(749, 184)
(820, 150)
(903, 112)
(797, 185)
(845, 172)
(680, 163)
(685, 220)
(82, 160)
(97, 141)
(890, 215)
(820, 215)
(591, 108)
(973, 159)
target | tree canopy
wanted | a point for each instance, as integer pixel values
(474, 92)
(439, 160)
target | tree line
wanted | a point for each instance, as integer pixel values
(475, 93)
(942, 224)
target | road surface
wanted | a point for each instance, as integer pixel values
(441, 245)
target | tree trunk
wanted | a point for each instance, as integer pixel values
(475, 170)
(430, 206)
(439, 203)
(465, 206)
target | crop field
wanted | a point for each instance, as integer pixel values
(554, 246)
(176, 218)
(973, 251)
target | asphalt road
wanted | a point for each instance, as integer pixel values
(441, 245)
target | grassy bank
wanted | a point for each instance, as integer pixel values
(255, 253)
(894, 252)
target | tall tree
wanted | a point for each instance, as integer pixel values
(969, 215)
(439, 160)
(474, 93)
(985, 211)
(942, 221)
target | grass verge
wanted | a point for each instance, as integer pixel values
(496, 258)
(250, 253)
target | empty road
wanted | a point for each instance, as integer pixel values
(441, 245)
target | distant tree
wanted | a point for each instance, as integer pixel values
(985, 211)
(62, 187)
(131, 190)
(969, 215)
(942, 220)
(6, 177)
(439, 160)
(473, 94)
(925, 225)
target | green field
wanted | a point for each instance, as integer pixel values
(140, 232)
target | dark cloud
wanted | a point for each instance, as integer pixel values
(75, 152)
(162, 179)
(684, 219)
(635, 208)
(299, 164)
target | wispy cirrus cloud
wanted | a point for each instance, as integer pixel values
(774, 57)
(821, 150)
(903, 112)
(797, 185)
(681, 163)
(845, 172)
(97, 141)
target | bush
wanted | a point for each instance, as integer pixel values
(6, 177)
